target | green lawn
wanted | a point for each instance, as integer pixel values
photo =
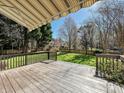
(78, 58)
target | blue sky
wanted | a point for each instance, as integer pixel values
(80, 16)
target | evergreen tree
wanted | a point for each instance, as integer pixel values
(11, 33)
(43, 35)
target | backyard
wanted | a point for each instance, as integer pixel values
(61, 46)
(77, 58)
(19, 60)
(111, 68)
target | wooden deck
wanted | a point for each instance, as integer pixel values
(55, 77)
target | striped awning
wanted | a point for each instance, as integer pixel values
(35, 13)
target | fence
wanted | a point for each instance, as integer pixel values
(77, 51)
(110, 66)
(17, 60)
(93, 52)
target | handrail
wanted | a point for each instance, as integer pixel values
(17, 60)
(108, 55)
(122, 58)
(30, 53)
(108, 64)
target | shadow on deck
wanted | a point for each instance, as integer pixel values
(54, 77)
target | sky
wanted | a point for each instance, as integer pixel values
(79, 17)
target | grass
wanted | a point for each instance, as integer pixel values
(78, 58)
(116, 75)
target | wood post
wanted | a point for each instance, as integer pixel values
(48, 55)
(96, 66)
(56, 56)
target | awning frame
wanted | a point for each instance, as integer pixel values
(19, 13)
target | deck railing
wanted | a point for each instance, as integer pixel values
(108, 65)
(17, 60)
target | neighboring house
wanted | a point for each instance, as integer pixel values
(55, 44)
(32, 44)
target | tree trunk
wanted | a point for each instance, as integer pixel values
(25, 47)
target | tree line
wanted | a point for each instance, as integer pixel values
(103, 31)
(12, 35)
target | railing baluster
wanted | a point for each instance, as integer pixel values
(56, 56)
(3, 64)
(17, 60)
(108, 64)
(31, 59)
(48, 55)
(26, 60)
(15, 65)
(96, 66)
(100, 67)
(113, 64)
(7, 62)
(0, 62)
(21, 60)
(13, 62)
(117, 64)
(36, 58)
(103, 66)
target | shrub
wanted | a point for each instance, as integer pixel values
(118, 76)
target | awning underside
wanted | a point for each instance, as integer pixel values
(35, 13)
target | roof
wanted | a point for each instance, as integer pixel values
(35, 13)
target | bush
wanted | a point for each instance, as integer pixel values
(117, 76)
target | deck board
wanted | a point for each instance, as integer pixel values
(55, 77)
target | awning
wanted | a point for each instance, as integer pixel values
(35, 13)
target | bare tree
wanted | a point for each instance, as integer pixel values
(68, 32)
(113, 13)
(110, 24)
(90, 27)
(87, 33)
(84, 38)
